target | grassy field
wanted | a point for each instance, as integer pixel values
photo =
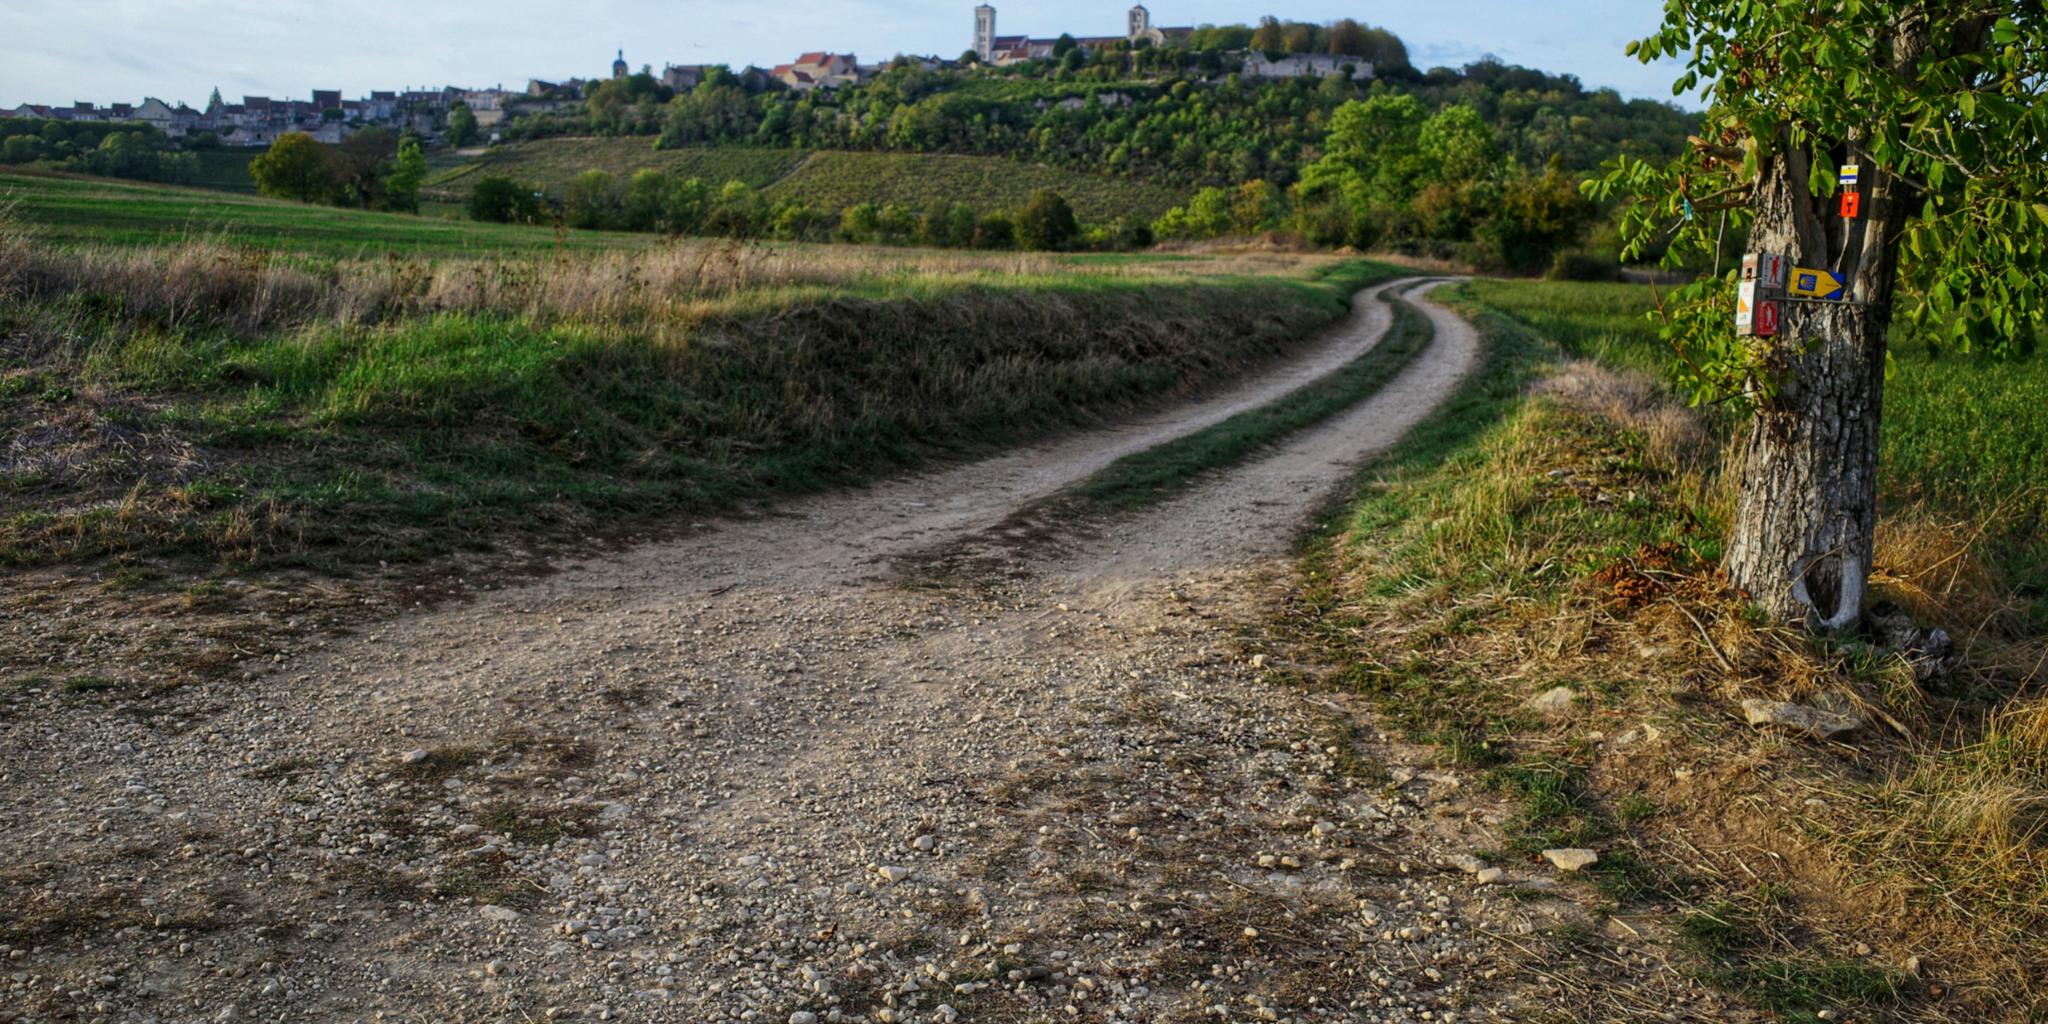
(552, 163)
(1965, 435)
(226, 169)
(198, 404)
(79, 211)
(1559, 526)
(829, 181)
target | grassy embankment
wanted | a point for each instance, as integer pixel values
(1566, 534)
(200, 404)
(829, 181)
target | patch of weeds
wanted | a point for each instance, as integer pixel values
(372, 880)
(631, 695)
(1744, 952)
(207, 596)
(282, 770)
(440, 763)
(130, 578)
(90, 684)
(1341, 737)
(490, 880)
(1635, 808)
(1554, 807)
(1628, 879)
(557, 754)
(536, 826)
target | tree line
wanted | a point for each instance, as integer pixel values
(138, 152)
(1394, 175)
(373, 169)
(662, 201)
(1391, 174)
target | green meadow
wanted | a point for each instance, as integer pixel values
(80, 211)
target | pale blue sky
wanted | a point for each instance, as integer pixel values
(58, 51)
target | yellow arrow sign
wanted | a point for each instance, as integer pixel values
(1814, 284)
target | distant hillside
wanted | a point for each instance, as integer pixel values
(829, 181)
(551, 163)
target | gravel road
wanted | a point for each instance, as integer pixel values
(769, 772)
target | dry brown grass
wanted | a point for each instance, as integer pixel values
(211, 281)
(1635, 402)
(1553, 552)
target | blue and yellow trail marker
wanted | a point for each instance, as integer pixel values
(1807, 283)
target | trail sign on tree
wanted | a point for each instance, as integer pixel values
(1938, 106)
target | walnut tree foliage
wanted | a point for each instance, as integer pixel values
(1942, 97)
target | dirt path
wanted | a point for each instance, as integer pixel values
(759, 774)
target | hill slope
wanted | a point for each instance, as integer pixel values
(828, 180)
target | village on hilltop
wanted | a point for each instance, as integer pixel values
(327, 117)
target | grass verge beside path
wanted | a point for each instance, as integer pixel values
(1152, 475)
(1558, 526)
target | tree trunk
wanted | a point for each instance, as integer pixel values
(1808, 504)
(1808, 501)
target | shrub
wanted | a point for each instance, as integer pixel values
(595, 201)
(504, 201)
(860, 223)
(21, 149)
(297, 167)
(995, 232)
(1046, 223)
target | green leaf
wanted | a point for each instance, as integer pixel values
(1820, 179)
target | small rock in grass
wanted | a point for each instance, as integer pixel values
(1571, 859)
(493, 912)
(1489, 876)
(1554, 702)
(1799, 718)
(892, 874)
(414, 756)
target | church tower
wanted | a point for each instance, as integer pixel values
(984, 32)
(619, 64)
(1141, 22)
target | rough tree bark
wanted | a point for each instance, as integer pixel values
(1807, 509)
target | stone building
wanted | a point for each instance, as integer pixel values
(1000, 50)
